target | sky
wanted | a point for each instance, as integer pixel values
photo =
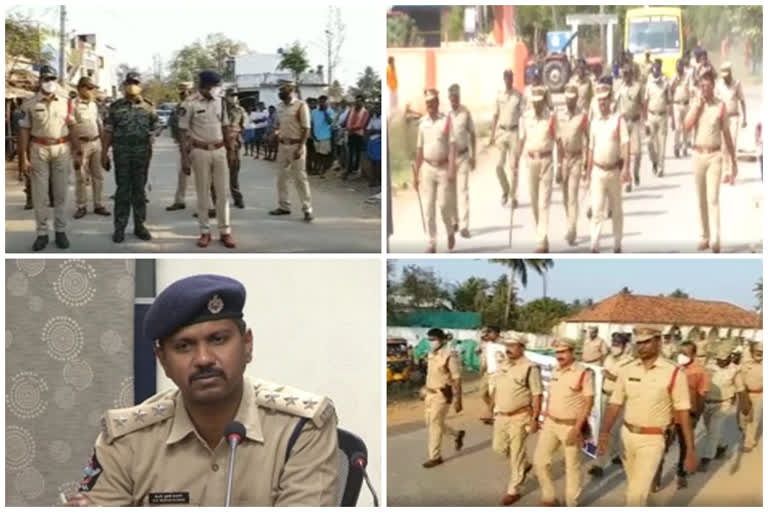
(729, 280)
(144, 29)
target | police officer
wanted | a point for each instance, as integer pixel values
(510, 105)
(570, 399)
(594, 350)
(629, 99)
(584, 86)
(517, 395)
(708, 117)
(726, 385)
(658, 109)
(45, 148)
(204, 124)
(646, 68)
(619, 357)
(292, 131)
(537, 88)
(609, 150)
(435, 168)
(237, 125)
(180, 199)
(87, 129)
(463, 135)
(443, 387)
(702, 348)
(129, 129)
(752, 374)
(538, 137)
(574, 135)
(730, 92)
(681, 91)
(490, 335)
(654, 393)
(170, 450)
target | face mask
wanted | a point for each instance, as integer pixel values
(283, 95)
(683, 359)
(49, 86)
(216, 92)
(434, 345)
(132, 89)
(617, 351)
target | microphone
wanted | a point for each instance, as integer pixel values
(234, 434)
(360, 461)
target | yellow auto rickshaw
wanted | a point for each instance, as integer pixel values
(398, 360)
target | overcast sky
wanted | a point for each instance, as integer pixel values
(144, 29)
(730, 280)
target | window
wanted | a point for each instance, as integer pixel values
(659, 34)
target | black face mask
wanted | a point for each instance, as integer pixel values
(283, 95)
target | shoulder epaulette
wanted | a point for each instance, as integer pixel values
(119, 422)
(289, 400)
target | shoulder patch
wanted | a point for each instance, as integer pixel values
(119, 422)
(289, 400)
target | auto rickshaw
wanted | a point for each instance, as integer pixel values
(399, 362)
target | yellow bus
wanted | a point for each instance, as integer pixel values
(658, 30)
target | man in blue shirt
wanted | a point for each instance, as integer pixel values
(322, 120)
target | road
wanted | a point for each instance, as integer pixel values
(661, 215)
(343, 224)
(477, 477)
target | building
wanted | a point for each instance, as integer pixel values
(257, 76)
(90, 56)
(625, 311)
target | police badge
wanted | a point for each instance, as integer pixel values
(215, 305)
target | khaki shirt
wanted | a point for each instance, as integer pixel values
(151, 453)
(731, 95)
(433, 137)
(515, 384)
(203, 118)
(461, 128)
(752, 375)
(628, 100)
(49, 118)
(607, 135)
(87, 119)
(292, 119)
(540, 132)
(611, 370)
(237, 116)
(646, 394)
(509, 108)
(586, 92)
(657, 95)
(702, 349)
(566, 398)
(442, 368)
(709, 127)
(593, 350)
(574, 130)
(724, 383)
(682, 87)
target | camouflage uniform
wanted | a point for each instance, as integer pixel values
(237, 119)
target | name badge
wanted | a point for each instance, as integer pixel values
(634, 379)
(169, 498)
(200, 111)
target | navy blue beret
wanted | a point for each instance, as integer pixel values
(209, 78)
(192, 300)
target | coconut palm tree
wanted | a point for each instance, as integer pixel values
(520, 268)
(758, 291)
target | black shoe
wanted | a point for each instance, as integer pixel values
(460, 440)
(41, 242)
(637, 181)
(280, 211)
(682, 481)
(100, 210)
(118, 236)
(142, 233)
(308, 217)
(589, 213)
(596, 471)
(212, 214)
(704, 465)
(29, 206)
(80, 212)
(656, 487)
(239, 204)
(656, 169)
(61, 240)
(175, 206)
(677, 152)
(504, 199)
(617, 461)
(720, 452)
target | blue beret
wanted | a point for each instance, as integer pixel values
(192, 300)
(209, 78)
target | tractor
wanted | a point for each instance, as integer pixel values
(556, 67)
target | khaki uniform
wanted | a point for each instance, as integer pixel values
(462, 128)
(432, 139)
(658, 99)
(485, 385)
(152, 454)
(514, 386)
(49, 159)
(509, 109)
(540, 134)
(724, 384)
(204, 121)
(702, 351)
(569, 388)
(442, 369)
(708, 164)
(586, 92)
(607, 135)
(610, 374)
(649, 398)
(628, 104)
(594, 351)
(732, 96)
(291, 119)
(574, 132)
(88, 129)
(528, 94)
(682, 91)
(752, 376)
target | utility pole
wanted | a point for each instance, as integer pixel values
(602, 41)
(62, 42)
(329, 44)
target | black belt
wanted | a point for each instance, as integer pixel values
(509, 128)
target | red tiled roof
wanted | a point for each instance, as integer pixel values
(625, 308)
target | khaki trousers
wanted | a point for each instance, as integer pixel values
(91, 168)
(50, 163)
(681, 138)
(509, 441)
(749, 423)
(635, 150)
(540, 187)
(572, 167)
(290, 168)
(509, 142)
(461, 197)
(486, 406)
(551, 437)
(606, 188)
(181, 185)
(613, 442)
(435, 411)
(707, 168)
(734, 124)
(209, 165)
(438, 195)
(642, 454)
(714, 418)
(657, 142)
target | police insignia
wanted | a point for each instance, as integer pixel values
(182, 111)
(215, 305)
(91, 473)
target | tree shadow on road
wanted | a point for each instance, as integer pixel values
(644, 188)
(646, 213)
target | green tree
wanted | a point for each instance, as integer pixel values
(295, 59)
(501, 308)
(758, 291)
(402, 31)
(421, 286)
(368, 84)
(122, 70)
(160, 91)
(541, 315)
(678, 294)
(222, 51)
(335, 90)
(214, 53)
(456, 23)
(471, 295)
(625, 291)
(519, 267)
(24, 42)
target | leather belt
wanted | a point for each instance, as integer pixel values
(612, 167)
(509, 128)
(644, 430)
(756, 391)
(578, 152)
(633, 118)
(592, 361)
(436, 163)
(47, 141)
(681, 102)
(561, 421)
(89, 139)
(209, 147)
(658, 112)
(539, 154)
(290, 141)
(515, 412)
(706, 149)
(735, 114)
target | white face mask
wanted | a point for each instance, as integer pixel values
(217, 92)
(434, 345)
(683, 359)
(49, 86)
(617, 351)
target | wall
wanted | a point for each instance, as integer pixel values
(573, 330)
(415, 334)
(316, 326)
